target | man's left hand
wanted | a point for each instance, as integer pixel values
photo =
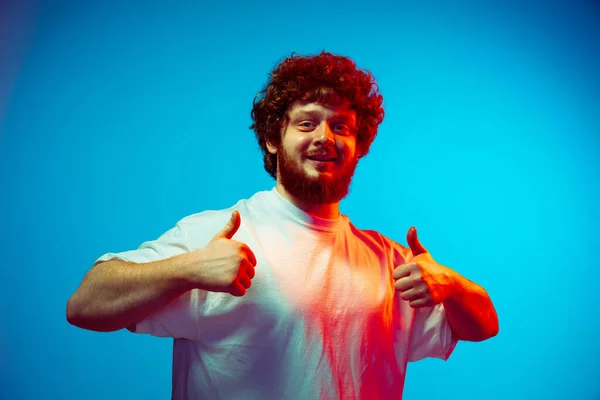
(423, 282)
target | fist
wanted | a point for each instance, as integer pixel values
(224, 264)
(422, 282)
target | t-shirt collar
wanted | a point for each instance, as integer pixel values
(296, 214)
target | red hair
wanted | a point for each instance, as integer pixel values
(325, 78)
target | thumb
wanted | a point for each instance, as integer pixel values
(413, 242)
(231, 228)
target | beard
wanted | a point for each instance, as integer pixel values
(319, 189)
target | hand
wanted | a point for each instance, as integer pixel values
(422, 282)
(226, 265)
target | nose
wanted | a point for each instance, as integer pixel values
(324, 135)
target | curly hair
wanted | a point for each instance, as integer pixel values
(326, 79)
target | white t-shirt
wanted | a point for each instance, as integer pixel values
(321, 321)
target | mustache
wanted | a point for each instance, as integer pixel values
(327, 155)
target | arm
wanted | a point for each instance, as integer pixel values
(423, 282)
(117, 294)
(470, 311)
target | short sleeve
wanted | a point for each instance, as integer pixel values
(169, 244)
(431, 334)
(178, 318)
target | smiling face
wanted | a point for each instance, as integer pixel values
(317, 155)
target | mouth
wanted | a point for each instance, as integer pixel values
(322, 158)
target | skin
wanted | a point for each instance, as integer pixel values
(117, 294)
(423, 282)
(317, 129)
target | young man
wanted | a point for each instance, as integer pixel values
(280, 296)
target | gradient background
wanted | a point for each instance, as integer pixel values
(118, 119)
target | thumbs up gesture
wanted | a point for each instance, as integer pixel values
(423, 282)
(225, 265)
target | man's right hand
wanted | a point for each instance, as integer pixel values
(224, 264)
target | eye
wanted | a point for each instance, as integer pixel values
(340, 128)
(306, 125)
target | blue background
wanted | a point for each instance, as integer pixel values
(119, 119)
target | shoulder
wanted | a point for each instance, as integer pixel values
(204, 224)
(214, 215)
(399, 252)
(368, 235)
(204, 217)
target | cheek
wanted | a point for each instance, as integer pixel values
(293, 152)
(294, 141)
(349, 149)
(298, 148)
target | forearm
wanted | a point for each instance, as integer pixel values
(470, 311)
(116, 294)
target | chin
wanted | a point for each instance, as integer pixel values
(315, 171)
(319, 175)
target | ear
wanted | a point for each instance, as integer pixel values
(272, 149)
(360, 151)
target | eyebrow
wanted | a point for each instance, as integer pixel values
(306, 114)
(317, 115)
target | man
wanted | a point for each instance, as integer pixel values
(280, 296)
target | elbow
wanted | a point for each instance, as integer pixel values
(73, 312)
(79, 314)
(494, 329)
(76, 314)
(479, 334)
(490, 326)
(488, 332)
(493, 326)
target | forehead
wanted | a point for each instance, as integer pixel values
(299, 108)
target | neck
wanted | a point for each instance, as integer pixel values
(325, 211)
